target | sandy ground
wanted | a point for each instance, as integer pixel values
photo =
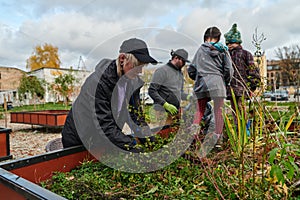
(27, 140)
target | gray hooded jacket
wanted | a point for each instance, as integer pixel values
(214, 72)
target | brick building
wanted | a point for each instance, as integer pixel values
(278, 76)
(9, 82)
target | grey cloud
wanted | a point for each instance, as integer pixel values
(77, 28)
(109, 10)
(278, 20)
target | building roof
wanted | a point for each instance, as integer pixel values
(3, 67)
(63, 69)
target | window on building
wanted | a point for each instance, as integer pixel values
(269, 68)
(285, 78)
(277, 80)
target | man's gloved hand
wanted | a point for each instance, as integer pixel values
(170, 108)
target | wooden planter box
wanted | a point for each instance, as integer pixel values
(43, 118)
(4, 144)
(19, 179)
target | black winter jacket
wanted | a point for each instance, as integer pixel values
(97, 105)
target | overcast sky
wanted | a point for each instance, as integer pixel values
(94, 29)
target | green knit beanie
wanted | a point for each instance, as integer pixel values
(233, 36)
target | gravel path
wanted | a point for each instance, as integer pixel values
(27, 140)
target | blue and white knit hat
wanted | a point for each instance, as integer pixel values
(233, 36)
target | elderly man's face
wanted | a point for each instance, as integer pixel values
(132, 71)
(130, 68)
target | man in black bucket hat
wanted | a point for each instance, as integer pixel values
(99, 113)
(182, 54)
(166, 87)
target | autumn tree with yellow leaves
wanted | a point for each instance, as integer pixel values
(44, 56)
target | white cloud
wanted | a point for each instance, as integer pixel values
(90, 29)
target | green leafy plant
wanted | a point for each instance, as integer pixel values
(32, 86)
(282, 162)
(236, 129)
(261, 165)
(64, 85)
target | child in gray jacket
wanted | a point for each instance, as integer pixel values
(214, 72)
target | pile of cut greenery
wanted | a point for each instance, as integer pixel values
(261, 165)
(269, 173)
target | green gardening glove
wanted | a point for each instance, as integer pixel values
(170, 108)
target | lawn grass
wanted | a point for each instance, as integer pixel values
(46, 106)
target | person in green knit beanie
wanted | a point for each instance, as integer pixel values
(233, 36)
(246, 75)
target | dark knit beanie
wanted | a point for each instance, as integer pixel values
(233, 36)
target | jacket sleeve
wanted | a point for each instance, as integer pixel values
(192, 71)
(154, 87)
(228, 69)
(106, 119)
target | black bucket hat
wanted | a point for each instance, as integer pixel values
(181, 53)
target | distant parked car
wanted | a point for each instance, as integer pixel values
(9, 105)
(280, 95)
(267, 94)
